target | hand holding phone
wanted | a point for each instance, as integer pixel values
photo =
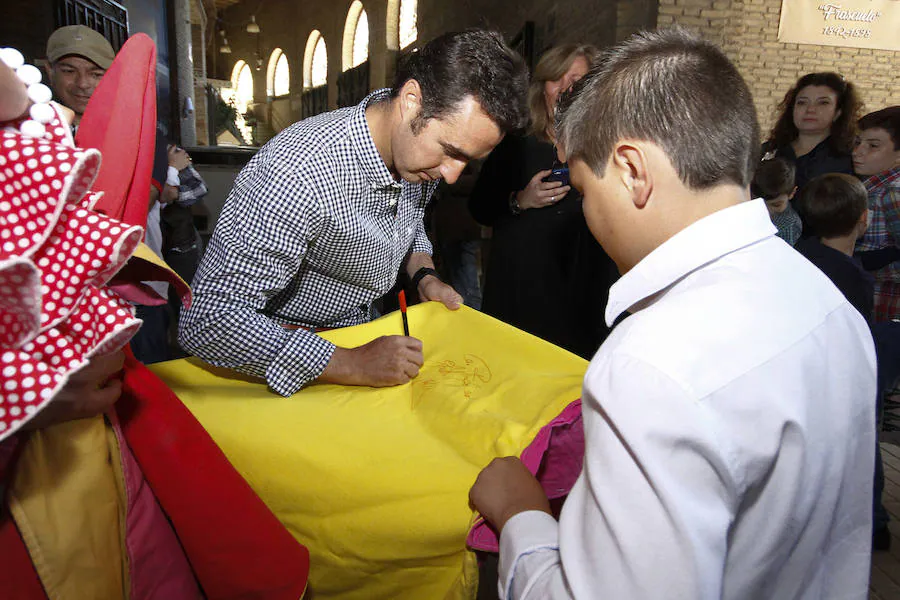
(560, 174)
(541, 191)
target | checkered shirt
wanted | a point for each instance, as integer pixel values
(789, 225)
(191, 186)
(884, 220)
(314, 231)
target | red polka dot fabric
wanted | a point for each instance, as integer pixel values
(56, 254)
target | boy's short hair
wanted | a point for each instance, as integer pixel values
(674, 89)
(887, 119)
(831, 204)
(773, 178)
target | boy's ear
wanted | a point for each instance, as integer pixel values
(633, 169)
(793, 191)
(863, 223)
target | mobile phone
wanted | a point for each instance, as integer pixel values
(560, 174)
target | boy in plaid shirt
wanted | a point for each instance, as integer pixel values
(876, 159)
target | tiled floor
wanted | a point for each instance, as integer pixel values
(885, 581)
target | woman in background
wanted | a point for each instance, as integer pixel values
(545, 274)
(816, 126)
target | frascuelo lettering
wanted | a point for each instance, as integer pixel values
(834, 11)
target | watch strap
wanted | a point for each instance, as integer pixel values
(421, 274)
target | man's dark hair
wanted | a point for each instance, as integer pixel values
(887, 119)
(773, 178)
(832, 204)
(676, 90)
(473, 63)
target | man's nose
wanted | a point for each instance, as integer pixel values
(450, 171)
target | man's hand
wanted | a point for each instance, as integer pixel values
(432, 288)
(383, 362)
(178, 158)
(505, 488)
(91, 391)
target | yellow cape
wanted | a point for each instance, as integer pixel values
(375, 481)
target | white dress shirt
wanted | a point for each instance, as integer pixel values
(730, 434)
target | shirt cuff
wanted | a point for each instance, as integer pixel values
(421, 243)
(172, 177)
(298, 362)
(525, 533)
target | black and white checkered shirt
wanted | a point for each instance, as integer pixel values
(314, 231)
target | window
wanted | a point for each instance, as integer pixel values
(409, 31)
(241, 95)
(315, 61)
(278, 75)
(402, 23)
(356, 36)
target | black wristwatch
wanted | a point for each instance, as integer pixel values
(421, 274)
(514, 207)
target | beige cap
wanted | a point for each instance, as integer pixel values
(80, 41)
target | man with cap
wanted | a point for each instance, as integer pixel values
(77, 58)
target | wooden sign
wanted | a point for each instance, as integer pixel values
(850, 23)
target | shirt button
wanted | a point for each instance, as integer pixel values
(392, 202)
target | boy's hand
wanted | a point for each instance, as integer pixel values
(505, 488)
(178, 158)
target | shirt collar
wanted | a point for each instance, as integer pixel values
(370, 161)
(700, 243)
(880, 179)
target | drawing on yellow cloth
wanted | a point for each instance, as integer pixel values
(375, 481)
(466, 375)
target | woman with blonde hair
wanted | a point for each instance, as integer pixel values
(545, 274)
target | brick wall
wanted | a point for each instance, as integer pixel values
(748, 30)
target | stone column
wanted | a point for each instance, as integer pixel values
(186, 101)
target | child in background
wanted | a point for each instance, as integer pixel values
(774, 182)
(834, 210)
(876, 158)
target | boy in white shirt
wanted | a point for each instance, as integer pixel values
(729, 434)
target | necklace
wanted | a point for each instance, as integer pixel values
(40, 112)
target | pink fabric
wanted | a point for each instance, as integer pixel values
(158, 565)
(555, 457)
